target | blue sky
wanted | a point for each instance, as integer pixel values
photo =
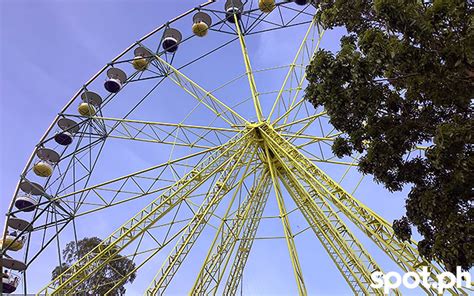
(48, 49)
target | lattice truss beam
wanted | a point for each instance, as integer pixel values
(176, 134)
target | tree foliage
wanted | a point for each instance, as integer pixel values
(404, 76)
(104, 279)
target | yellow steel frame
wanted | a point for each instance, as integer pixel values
(405, 254)
(196, 225)
(114, 187)
(243, 249)
(268, 147)
(199, 93)
(224, 241)
(313, 27)
(286, 224)
(352, 260)
(177, 134)
(99, 256)
(249, 72)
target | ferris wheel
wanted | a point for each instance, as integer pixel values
(193, 171)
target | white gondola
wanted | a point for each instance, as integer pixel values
(142, 58)
(90, 102)
(266, 6)
(10, 282)
(13, 264)
(19, 224)
(201, 23)
(171, 40)
(233, 7)
(25, 200)
(115, 80)
(48, 159)
(68, 129)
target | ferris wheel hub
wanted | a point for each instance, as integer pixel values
(253, 125)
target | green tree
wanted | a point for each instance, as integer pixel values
(404, 76)
(103, 280)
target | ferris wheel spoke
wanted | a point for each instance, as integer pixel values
(286, 223)
(308, 142)
(295, 109)
(307, 146)
(226, 238)
(294, 18)
(44, 212)
(248, 68)
(307, 139)
(142, 248)
(309, 150)
(296, 74)
(206, 98)
(404, 254)
(246, 241)
(352, 260)
(305, 120)
(331, 161)
(226, 183)
(127, 233)
(178, 134)
(303, 125)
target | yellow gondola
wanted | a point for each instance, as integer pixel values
(201, 23)
(11, 244)
(266, 6)
(43, 169)
(86, 109)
